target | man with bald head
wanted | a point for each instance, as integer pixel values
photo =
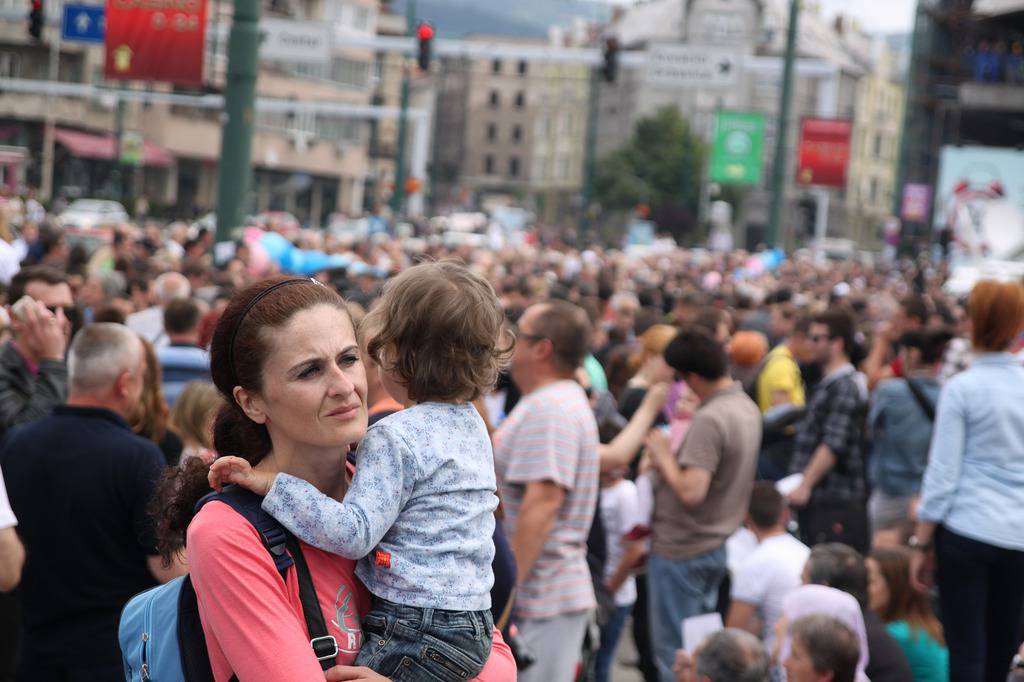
(80, 482)
(149, 323)
(546, 458)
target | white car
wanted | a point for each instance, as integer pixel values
(93, 213)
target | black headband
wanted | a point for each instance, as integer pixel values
(252, 304)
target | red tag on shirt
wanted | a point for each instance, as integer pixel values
(383, 559)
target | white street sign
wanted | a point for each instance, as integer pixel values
(694, 66)
(285, 40)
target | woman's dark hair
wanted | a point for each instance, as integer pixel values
(930, 342)
(238, 353)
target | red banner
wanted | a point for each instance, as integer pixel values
(824, 152)
(156, 40)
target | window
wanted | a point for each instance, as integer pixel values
(513, 167)
(520, 100)
(563, 169)
(488, 165)
(496, 66)
(878, 146)
(495, 99)
(522, 68)
(492, 132)
(360, 18)
(517, 133)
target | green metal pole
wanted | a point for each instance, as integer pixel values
(589, 154)
(398, 196)
(782, 129)
(235, 170)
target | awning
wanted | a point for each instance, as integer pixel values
(89, 146)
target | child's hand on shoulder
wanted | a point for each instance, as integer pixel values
(227, 470)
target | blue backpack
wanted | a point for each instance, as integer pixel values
(160, 632)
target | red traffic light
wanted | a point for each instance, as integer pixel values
(425, 31)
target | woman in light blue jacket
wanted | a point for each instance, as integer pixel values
(971, 519)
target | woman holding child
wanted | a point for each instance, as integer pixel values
(417, 515)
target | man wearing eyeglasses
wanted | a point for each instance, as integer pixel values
(545, 455)
(829, 451)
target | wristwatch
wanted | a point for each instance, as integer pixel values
(915, 543)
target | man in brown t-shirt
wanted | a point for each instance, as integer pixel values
(702, 492)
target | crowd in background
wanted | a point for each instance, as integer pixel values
(709, 381)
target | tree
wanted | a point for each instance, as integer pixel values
(661, 166)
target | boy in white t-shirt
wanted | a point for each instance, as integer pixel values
(624, 530)
(772, 571)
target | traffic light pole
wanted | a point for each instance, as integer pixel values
(782, 129)
(235, 170)
(398, 195)
(49, 123)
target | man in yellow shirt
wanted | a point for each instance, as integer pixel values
(780, 381)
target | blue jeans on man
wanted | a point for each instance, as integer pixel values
(676, 590)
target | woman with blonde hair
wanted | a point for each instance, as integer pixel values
(970, 525)
(193, 416)
(649, 368)
(152, 415)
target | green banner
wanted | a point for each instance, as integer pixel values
(131, 148)
(736, 156)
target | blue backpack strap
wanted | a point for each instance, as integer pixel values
(248, 504)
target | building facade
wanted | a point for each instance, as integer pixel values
(833, 58)
(308, 164)
(875, 143)
(511, 127)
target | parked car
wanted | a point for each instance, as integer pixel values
(93, 213)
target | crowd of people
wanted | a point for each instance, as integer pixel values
(490, 463)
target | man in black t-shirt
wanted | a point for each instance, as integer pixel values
(79, 482)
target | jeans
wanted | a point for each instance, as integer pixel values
(412, 644)
(642, 632)
(610, 634)
(678, 589)
(982, 598)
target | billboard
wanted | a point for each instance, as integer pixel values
(824, 152)
(916, 203)
(980, 200)
(151, 40)
(737, 148)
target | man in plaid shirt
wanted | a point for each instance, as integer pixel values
(829, 451)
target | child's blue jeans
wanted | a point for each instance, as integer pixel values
(409, 643)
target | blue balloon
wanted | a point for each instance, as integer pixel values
(277, 247)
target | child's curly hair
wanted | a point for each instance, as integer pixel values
(440, 328)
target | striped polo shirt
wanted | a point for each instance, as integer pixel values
(551, 435)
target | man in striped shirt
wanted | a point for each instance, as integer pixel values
(547, 464)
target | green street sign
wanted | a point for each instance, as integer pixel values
(736, 155)
(131, 148)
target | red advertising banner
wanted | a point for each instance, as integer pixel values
(824, 152)
(156, 40)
